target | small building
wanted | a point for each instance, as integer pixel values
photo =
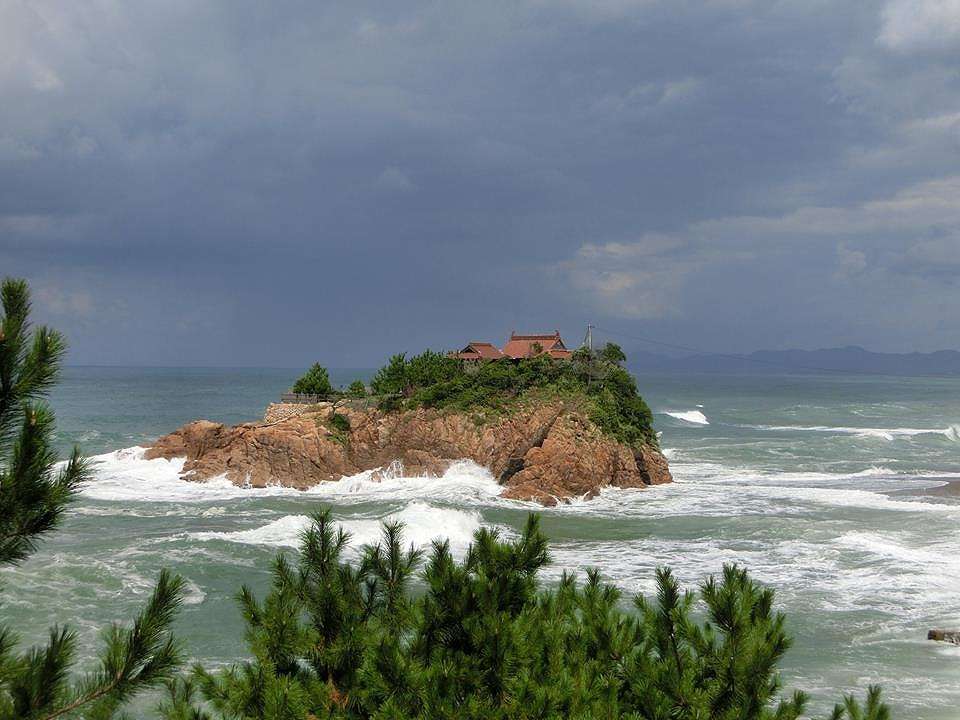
(528, 346)
(517, 347)
(477, 351)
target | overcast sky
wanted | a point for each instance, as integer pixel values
(269, 183)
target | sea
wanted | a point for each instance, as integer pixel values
(842, 492)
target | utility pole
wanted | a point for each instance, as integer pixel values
(589, 343)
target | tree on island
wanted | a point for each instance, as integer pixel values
(42, 683)
(606, 391)
(315, 381)
(483, 641)
(357, 389)
(613, 354)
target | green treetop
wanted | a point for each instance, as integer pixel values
(357, 389)
(613, 354)
(480, 639)
(315, 381)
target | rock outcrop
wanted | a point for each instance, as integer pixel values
(547, 452)
(948, 636)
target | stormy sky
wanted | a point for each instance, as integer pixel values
(269, 183)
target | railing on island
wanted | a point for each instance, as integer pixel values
(302, 398)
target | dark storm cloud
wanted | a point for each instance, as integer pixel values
(213, 182)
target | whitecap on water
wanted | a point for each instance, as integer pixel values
(193, 595)
(951, 432)
(694, 417)
(126, 475)
(463, 482)
(422, 524)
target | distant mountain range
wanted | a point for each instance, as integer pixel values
(829, 360)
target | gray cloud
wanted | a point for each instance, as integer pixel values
(201, 182)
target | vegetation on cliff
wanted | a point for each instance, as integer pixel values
(598, 379)
(482, 641)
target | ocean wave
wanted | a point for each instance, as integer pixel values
(125, 475)
(694, 417)
(713, 490)
(463, 481)
(422, 524)
(951, 432)
(882, 570)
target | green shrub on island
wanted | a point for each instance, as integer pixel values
(401, 376)
(613, 354)
(315, 381)
(357, 389)
(482, 640)
(341, 423)
(435, 380)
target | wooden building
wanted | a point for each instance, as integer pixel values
(517, 347)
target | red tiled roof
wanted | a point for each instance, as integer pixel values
(522, 346)
(479, 351)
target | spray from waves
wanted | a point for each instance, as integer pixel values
(125, 475)
(422, 524)
(951, 432)
(694, 417)
(464, 481)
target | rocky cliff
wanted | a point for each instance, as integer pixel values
(547, 452)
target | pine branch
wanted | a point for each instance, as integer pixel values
(32, 497)
(137, 658)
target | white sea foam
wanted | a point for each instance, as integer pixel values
(193, 595)
(882, 571)
(125, 475)
(464, 481)
(695, 417)
(713, 490)
(951, 432)
(422, 524)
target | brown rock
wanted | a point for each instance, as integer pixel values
(950, 636)
(543, 452)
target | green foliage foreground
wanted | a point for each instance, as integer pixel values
(481, 640)
(43, 683)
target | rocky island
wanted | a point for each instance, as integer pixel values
(548, 429)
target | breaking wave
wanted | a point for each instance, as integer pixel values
(951, 432)
(126, 475)
(422, 524)
(695, 417)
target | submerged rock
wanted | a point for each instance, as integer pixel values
(950, 636)
(547, 452)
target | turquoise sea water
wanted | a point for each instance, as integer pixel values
(834, 490)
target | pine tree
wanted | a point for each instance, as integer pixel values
(42, 682)
(482, 641)
(315, 381)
